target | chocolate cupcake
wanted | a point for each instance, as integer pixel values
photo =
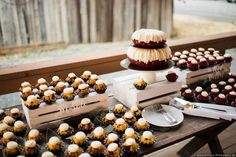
(185, 52)
(207, 53)
(211, 50)
(199, 54)
(177, 54)
(171, 76)
(227, 89)
(211, 61)
(140, 84)
(199, 57)
(55, 80)
(231, 81)
(193, 50)
(214, 93)
(190, 59)
(119, 109)
(183, 57)
(228, 58)
(71, 78)
(175, 60)
(60, 87)
(198, 90)
(8, 120)
(231, 96)
(182, 64)
(34, 134)
(183, 88)
(221, 85)
(203, 63)
(193, 65)
(83, 90)
(220, 59)
(192, 55)
(42, 89)
(188, 95)
(15, 113)
(86, 75)
(203, 97)
(221, 99)
(201, 49)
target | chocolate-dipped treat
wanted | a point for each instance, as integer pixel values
(198, 91)
(175, 60)
(203, 63)
(214, 93)
(221, 99)
(220, 59)
(182, 64)
(171, 76)
(227, 89)
(231, 96)
(203, 97)
(183, 88)
(221, 85)
(228, 58)
(193, 65)
(188, 95)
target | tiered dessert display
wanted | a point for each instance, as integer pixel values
(201, 64)
(148, 55)
(60, 99)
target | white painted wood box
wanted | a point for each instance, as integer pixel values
(60, 110)
(159, 92)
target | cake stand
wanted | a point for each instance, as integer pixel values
(149, 75)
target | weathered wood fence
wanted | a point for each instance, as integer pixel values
(24, 22)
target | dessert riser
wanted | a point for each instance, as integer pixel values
(54, 113)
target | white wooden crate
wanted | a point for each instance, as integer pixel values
(158, 92)
(40, 117)
(214, 72)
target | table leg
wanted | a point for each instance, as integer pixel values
(215, 146)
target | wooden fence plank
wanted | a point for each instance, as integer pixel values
(84, 13)
(154, 14)
(129, 19)
(118, 17)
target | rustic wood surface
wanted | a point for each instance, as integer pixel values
(73, 21)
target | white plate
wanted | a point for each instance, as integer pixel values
(157, 119)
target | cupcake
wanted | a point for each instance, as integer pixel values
(201, 49)
(19, 128)
(216, 55)
(175, 60)
(221, 99)
(119, 109)
(198, 90)
(100, 86)
(203, 97)
(227, 89)
(7, 137)
(130, 133)
(228, 58)
(231, 96)
(109, 118)
(141, 124)
(199, 54)
(26, 92)
(199, 57)
(140, 84)
(25, 84)
(193, 65)
(211, 50)
(42, 89)
(12, 149)
(129, 118)
(99, 133)
(221, 85)
(86, 125)
(188, 95)
(183, 88)
(185, 52)
(130, 146)
(49, 96)
(120, 125)
(34, 135)
(2, 114)
(54, 144)
(183, 57)
(86, 75)
(40, 82)
(214, 93)
(80, 138)
(96, 148)
(73, 150)
(219, 59)
(92, 80)
(4, 128)
(77, 82)
(147, 138)
(233, 104)
(113, 150)
(71, 78)
(193, 50)
(48, 154)
(15, 113)
(171, 76)
(55, 80)
(85, 155)
(60, 87)
(8, 120)
(68, 94)
(192, 55)
(111, 138)
(32, 102)
(211, 61)
(182, 64)
(83, 90)
(231, 81)
(135, 111)
(65, 130)
(177, 54)
(30, 149)
(203, 63)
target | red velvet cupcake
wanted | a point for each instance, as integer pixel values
(214, 93)
(220, 59)
(228, 58)
(193, 51)
(227, 89)
(190, 59)
(203, 63)
(188, 95)
(211, 61)
(171, 76)
(203, 97)
(183, 88)
(185, 52)
(215, 55)
(207, 52)
(193, 66)
(199, 57)
(183, 56)
(213, 85)
(231, 96)
(201, 49)
(199, 54)
(177, 54)
(233, 75)
(198, 90)
(231, 81)
(175, 60)
(221, 85)
(211, 50)
(192, 55)
(233, 103)
(182, 64)
(234, 86)
(221, 99)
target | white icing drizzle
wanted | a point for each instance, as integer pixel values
(83, 86)
(219, 57)
(185, 52)
(228, 87)
(30, 143)
(73, 148)
(175, 58)
(41, 80)
(211, 49)
(184, 86)
(216, 55)
(100, 82)
(79, 80)
(87, 73)
(85, 121)
(19, 124)
(201, 49)
(134, 108)
(120, 121)
(227, 55)
(147, 35)
(204, 93)
(147, 134)
(222, 96)
(130, 141)
(47, 154)
(49, 92)
(94, 76)
(55, 78)
(181, 61)
(71, 75)
(193, 50)
(33, 133)
(84, 155)
(222, 83)
(26, 89)
(192, 55)
(1, 111)
(32, 98)
(3, 127)
(231, 80)
(80, 135)
(64, 127)
(232, 93)
(199, 53)
(198, 89)
(129, 131)
(8, 135)
(8, 119)
(119, 106)
(190, 59)
(149, 55)
(43, 87)
(15, 110)
(199, 57)
(98, 131)
(142, 121)
(215, 90)
(96, 144)
(177, 53)
(60, 84)
(68, 90)
(188, 91)
(194, 61)
(54, 140)
(112, 137)
(128, 115)
(12, 145)
(24, 84)
(213, 85)
(110, 116)
(202, 60)
(183, 57)
(112, 147)
(212, 58)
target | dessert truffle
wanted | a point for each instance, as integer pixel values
(68, 94)
(86, 75)
(182, 64)
(83, 90)
(228, 58)
(109, 118)
(80, 138)
(55, 80)
(135, 111)
(7, 137)
(98, 133)
(34, 135)
(26, 92)
(214, 93)
(112, 150)
(111, 138)
(86, 125)
(65, 130)
(73, 150)
(203, 63)
(60, 87)
(130, 133)
(32, 102)
(188, 95)
(8, 120)
(129, 118)
(71, 78)
(49, 97)
(193, 65)
(96, 148)
(198, 90)
(12, 149)
(54, 144)
(130, 146)
(119, 109)
(140, 84)
(171, 76)
(221, 99)
(203, 97)
(92, 80)
(141, 124)
(147, 138)
(120, 125)
(77, 82)
(19, 128)
(15, 113)
(100, 86)
(30, 149)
